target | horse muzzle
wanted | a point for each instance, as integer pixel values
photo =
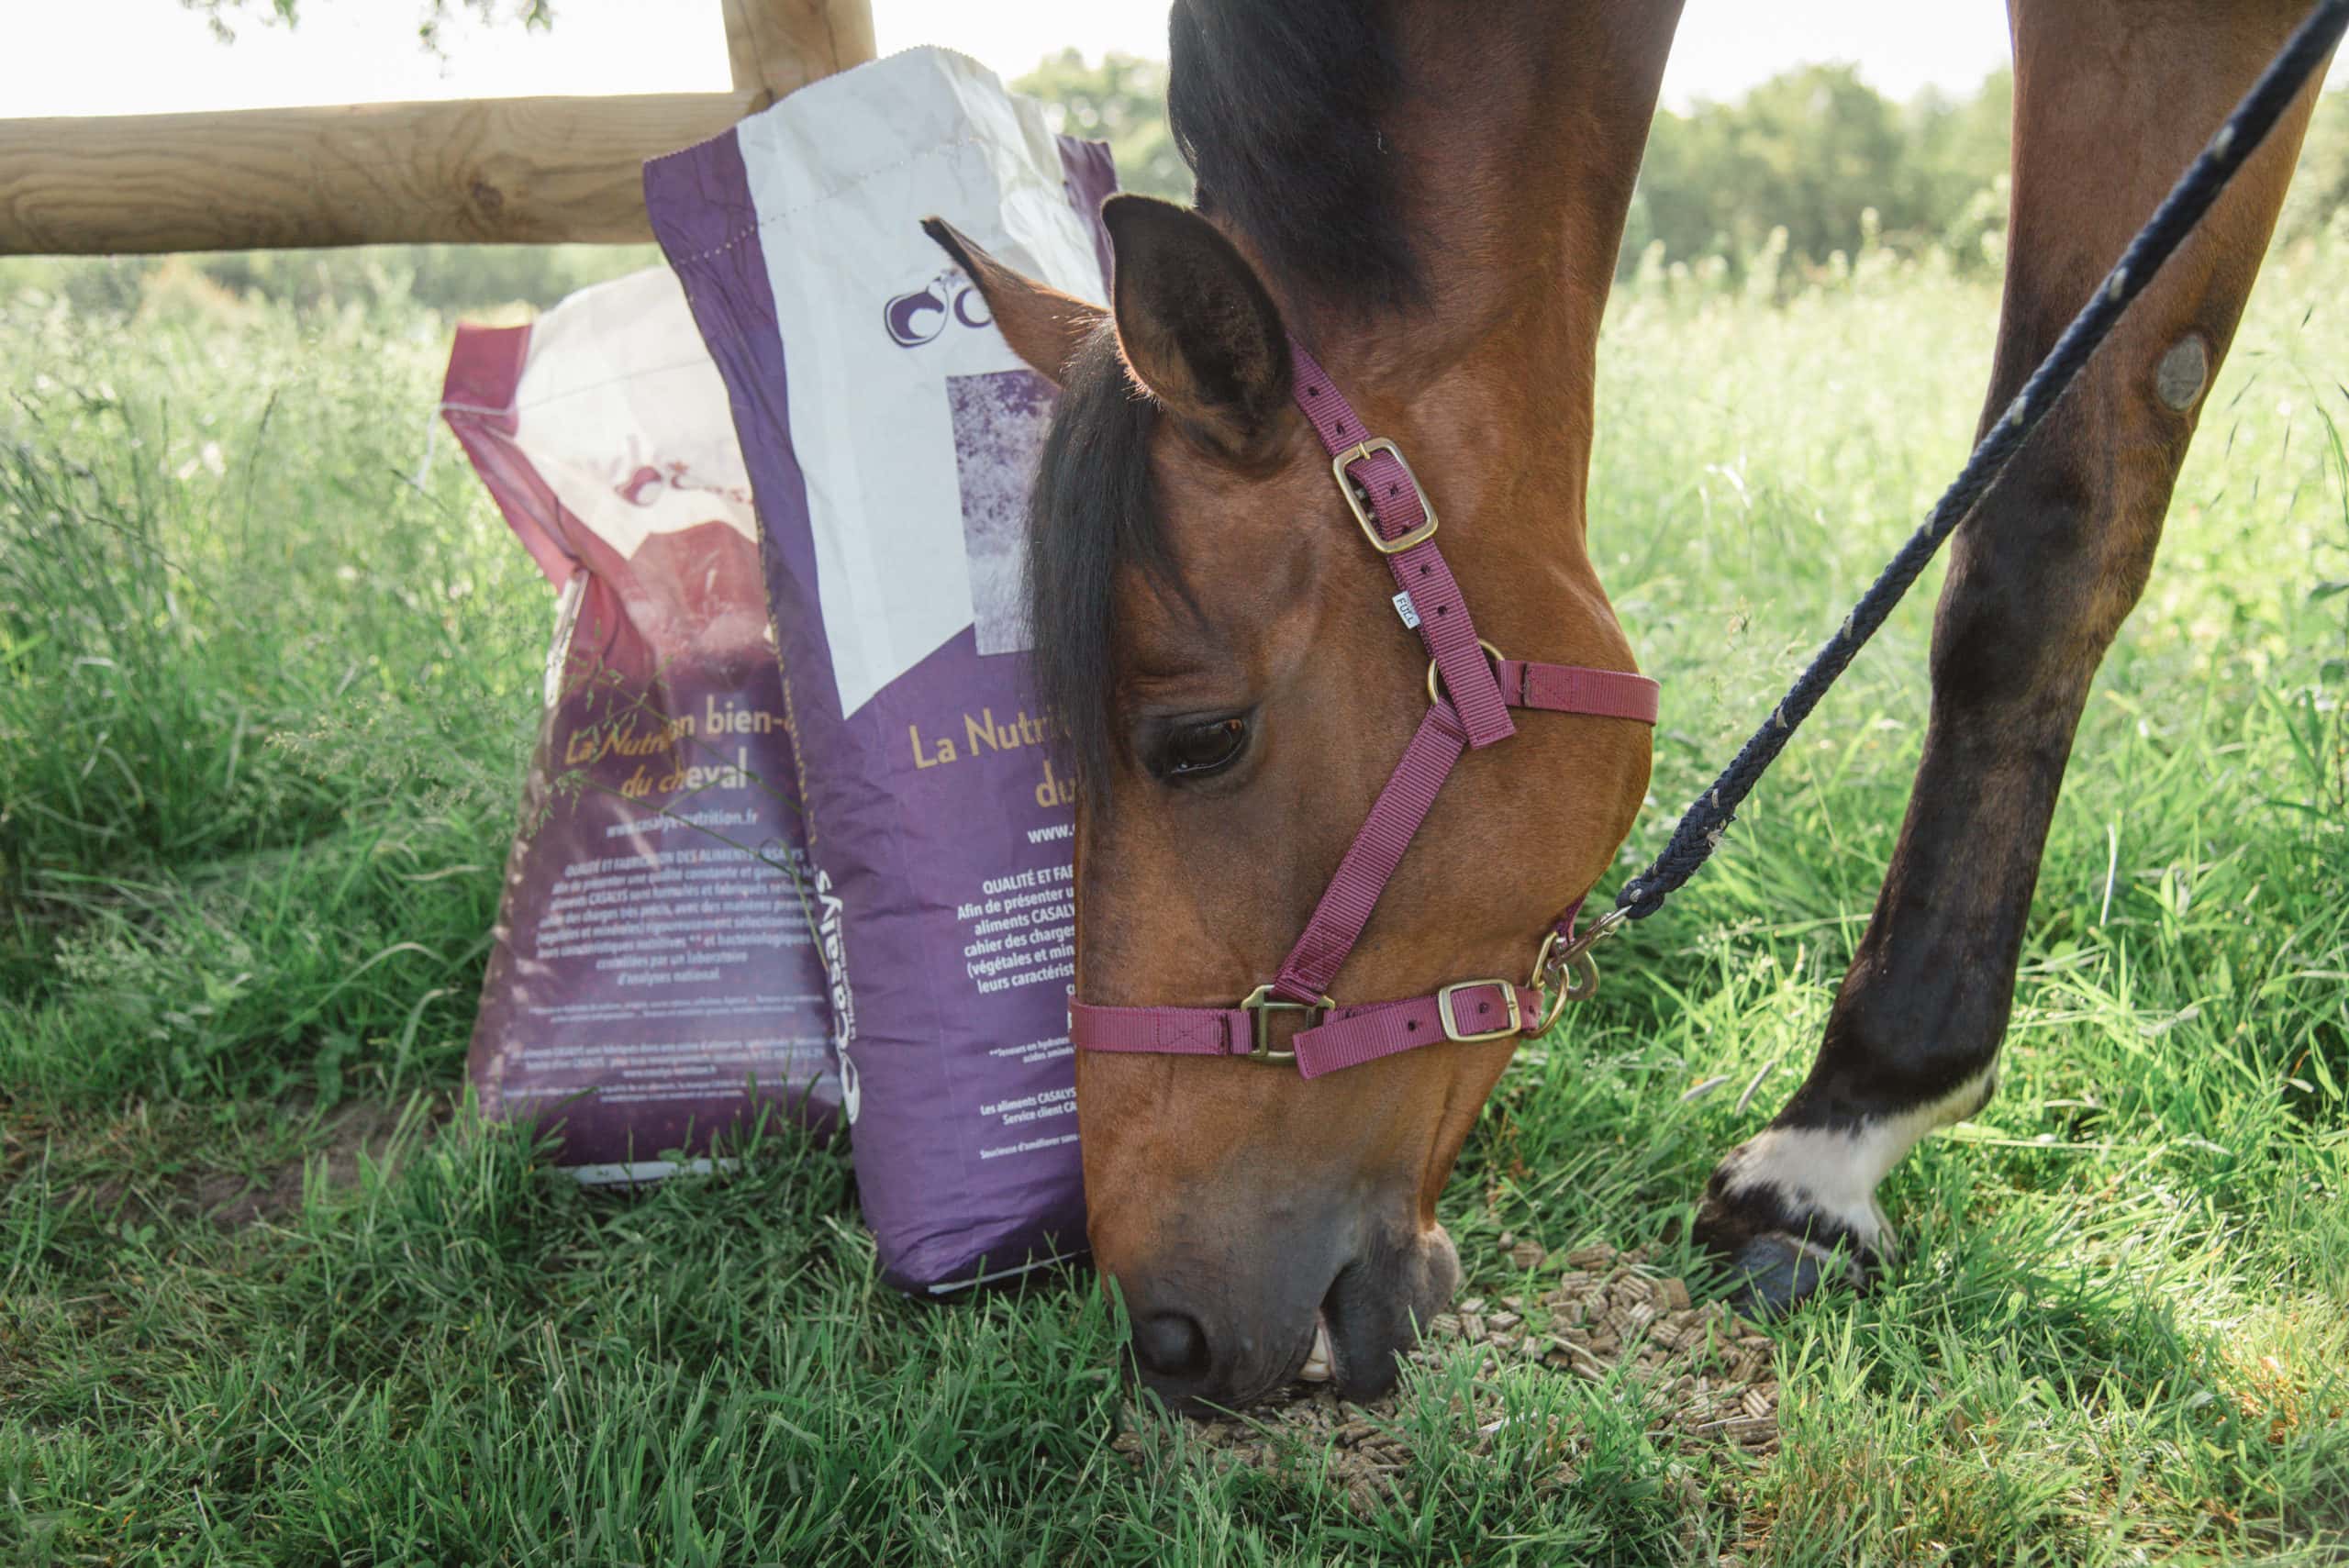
(1303, 1311)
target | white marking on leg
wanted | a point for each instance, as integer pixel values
(1834, 1172)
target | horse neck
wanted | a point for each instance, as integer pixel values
(1516, 147)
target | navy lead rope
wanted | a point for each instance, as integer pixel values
(1709, 814)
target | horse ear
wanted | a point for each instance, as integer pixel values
(1043, 326)
(1198, 326)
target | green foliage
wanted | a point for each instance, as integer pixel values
(1817, 152)
(258, 696)
(269, 1295)
(1121, 100)
(388, 281)
(431, 15)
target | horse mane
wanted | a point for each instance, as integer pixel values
(1275, 105)
(1093, 512)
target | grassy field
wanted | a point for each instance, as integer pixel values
(268, 1296)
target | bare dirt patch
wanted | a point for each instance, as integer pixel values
(233, 1199)
(174, 1163)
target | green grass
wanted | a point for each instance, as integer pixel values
(267, 1295)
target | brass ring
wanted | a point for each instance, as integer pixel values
(1434, 674)
(1553, 1008)
(1565, 972)
(1553, 997)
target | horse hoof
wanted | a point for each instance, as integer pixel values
(1776, 1272)
(1780, 1252)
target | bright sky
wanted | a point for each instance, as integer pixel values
(107, 57)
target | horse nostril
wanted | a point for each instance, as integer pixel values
(1171, 1345)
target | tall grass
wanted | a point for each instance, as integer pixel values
(264, 706)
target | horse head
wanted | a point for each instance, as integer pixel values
(1219, 645)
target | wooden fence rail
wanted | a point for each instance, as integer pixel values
(497, 171)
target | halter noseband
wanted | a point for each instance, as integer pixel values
(1469, 696)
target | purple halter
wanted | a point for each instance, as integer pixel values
(1469, 697)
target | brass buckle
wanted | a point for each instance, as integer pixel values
(1434, 674)
(1362, 511)
(1451, 1030)
(1261, 1001)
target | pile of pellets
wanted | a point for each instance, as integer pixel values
(1704, 1376)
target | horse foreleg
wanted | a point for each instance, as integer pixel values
(2112, 98)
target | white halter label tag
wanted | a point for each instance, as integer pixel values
(1409, 612)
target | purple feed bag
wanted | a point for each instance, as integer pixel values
(654, 978)
(890, 436)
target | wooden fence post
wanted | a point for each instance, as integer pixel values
(778, 46)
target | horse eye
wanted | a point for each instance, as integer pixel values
(1195, 751)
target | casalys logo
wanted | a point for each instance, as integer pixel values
(950, 298)
(835, 945)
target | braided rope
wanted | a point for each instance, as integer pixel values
(1709, 817)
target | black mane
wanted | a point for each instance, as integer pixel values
(1093, 512)
(1277, 105)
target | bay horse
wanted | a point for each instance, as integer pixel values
(1430, 195)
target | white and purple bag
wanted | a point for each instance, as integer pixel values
(890, 436)
(652, 978)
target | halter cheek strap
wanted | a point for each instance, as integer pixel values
(1469, 698)
(1396, 517)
